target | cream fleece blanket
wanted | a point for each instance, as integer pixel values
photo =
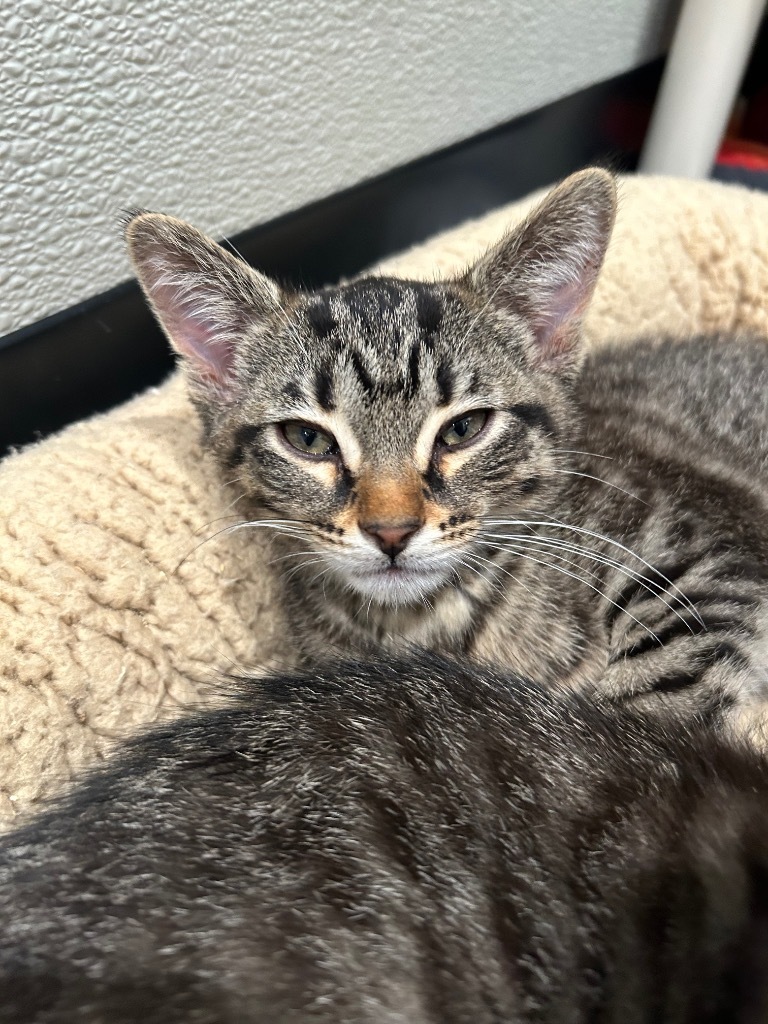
(115, 608)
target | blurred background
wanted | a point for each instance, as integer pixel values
(315, 136)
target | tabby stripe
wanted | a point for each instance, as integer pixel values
(320, 317)
(622, 600)
(666, 573)
(324, 388)
(705, 659)
(726, 650)
(434, 479)
(679, 627)
(677, 681)
(445, 383)
(362, 374)
(345, 483)
(429, 310)
(534, 415)
(412, 385)
(244, 438)
(705, 597)
(635, 588)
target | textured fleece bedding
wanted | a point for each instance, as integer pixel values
(114, 614)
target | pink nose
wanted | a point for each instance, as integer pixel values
(392, 539)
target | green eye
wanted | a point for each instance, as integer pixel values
(309, 440)
(463, 428)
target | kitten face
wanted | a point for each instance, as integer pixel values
(377, 425)
(393, 431)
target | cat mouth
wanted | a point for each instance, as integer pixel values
(395, 584)
(396, 571)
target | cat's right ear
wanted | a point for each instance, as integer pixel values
(205, 299)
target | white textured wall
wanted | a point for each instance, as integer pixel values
(229, 112)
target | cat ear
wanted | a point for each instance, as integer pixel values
(545, 270)
(205, 298)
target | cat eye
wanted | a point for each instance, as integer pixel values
(308, 439)
(463, 429)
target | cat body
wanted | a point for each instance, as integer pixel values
(440, 463)
(413, 841)
(681, 482)
(661, 587)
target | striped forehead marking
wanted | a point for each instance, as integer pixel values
(391, 318)
(373, 303)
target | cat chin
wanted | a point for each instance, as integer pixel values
(396, 587)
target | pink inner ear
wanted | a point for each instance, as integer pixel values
(557, 317)
(197, 333)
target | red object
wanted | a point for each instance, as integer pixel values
(743, 153)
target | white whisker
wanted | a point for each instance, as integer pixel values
(599, 480)
(296, 568)
(481, 574)
(278, 525)
(218, 519)
(499, 568)
(292, 554)
(654, 589)
(576, 451)
(586, 583)
(323, 572)
(552, 521)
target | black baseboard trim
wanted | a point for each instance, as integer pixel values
(103, 351)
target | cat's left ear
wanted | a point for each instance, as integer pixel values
(545, 271)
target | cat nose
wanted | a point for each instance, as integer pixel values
(391, 538)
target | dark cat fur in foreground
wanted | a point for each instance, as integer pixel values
(441, 464)
(415, 841)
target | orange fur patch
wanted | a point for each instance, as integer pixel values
(390, 500)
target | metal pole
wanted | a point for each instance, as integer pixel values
(709, 53)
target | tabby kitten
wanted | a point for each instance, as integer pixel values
(441, 465)
(415, 842)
